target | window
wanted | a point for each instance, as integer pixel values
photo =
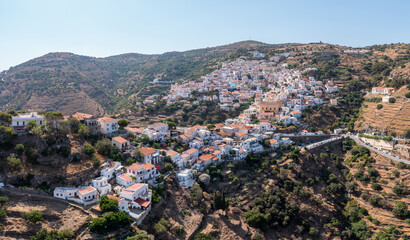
(17, 123)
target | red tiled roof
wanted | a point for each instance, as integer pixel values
(147, 166)
(191, 151)
(120, 139)
(172, 153)
(148, 151)
(142, 202)
(81, 116)
(86, 190)
(134, 187)
(107, 119)
(135, 167)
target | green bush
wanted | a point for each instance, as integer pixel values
(33, 216)
(392, 100)
(44, 234)
(379, 106)
(375, 200)
(162, 226)
(19, 149)
(104, 147)
(376, 186)
(14, 163)
(3, 213)
(139, 236)
(400, 210)
(203, 236)
(407, 95)
(108, 205)
(3, 200)
(89, 149)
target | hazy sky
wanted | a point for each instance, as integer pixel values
(32, 28)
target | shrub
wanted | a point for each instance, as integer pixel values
(162, 226)
(96, 161)
(19, 149)
(407, 95)
(400, 210)
(400, 190)
(392, 100)
(139, 236)
(104, 147)
(401, 165)
(108, 205)
(44, 234)
(33, 216)
(3, 200)
(375, 200)
(376, 186)
(14, 163)
(203, 236)
(379, 106)
(3, 213)
(89, 149)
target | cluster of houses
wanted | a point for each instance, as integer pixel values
(104, 125)
(275, 93)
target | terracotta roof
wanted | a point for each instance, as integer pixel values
(86, 190)
(135, 167)
(107, 119)
(206, 157)
(172, 153)
(142, 202)
(240, 133)
(120, 139)
(148, 151)
(135, 187)
(147, 166)
(81, 116)
(191, 151)
(272, 141)
(126, 177)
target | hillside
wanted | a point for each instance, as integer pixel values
(68, 83)
(299, 195)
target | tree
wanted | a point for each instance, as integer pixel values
(74, 124)
(19, 149)
(407, 133)
(14, 163)
(104, 147)
(108, 205)
(139, 236)
(44, 234)
(88, 149)
(84, 131)
(97, 224)
(392, 100)
(360, 230)
(400, 210)
(37, 131)
(31, 124)
(6, 135)
(169, 167)
(407, 95)
(122, 123)
(203, 236)
(379, 106)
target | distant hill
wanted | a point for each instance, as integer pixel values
(68, 82)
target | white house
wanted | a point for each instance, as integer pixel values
(65, 192)
(185, 178)
(382, 90)
(108, 125)
(125, 180)
(159, 127)
(102, 185)
(121, 143)
(87, 194)
(142, 172)
(112, 169)
(137, 190)
(150, 155)
(20, 121)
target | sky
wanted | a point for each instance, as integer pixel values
(101, 28)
